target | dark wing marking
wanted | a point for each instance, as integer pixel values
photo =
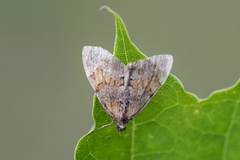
(146, 78)
(106, 75)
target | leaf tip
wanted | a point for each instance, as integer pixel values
(106, 7)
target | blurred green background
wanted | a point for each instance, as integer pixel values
(45, 97)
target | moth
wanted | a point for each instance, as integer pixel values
(124, 91)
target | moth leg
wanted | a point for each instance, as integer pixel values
(105, 126)
(114, 122)
(128, 123)
(112, 118)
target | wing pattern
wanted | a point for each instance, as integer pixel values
(113, 81)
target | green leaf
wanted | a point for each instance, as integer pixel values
(124, 49)
(174, 125)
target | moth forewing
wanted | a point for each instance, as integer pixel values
(150, 74)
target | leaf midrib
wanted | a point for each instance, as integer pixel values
(124, 46)
(133, 138)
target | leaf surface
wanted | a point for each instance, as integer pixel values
(174, 125)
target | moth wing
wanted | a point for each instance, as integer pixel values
(147, 77)
(106, 76)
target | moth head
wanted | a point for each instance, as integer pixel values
(121, 126)
(130, 65)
